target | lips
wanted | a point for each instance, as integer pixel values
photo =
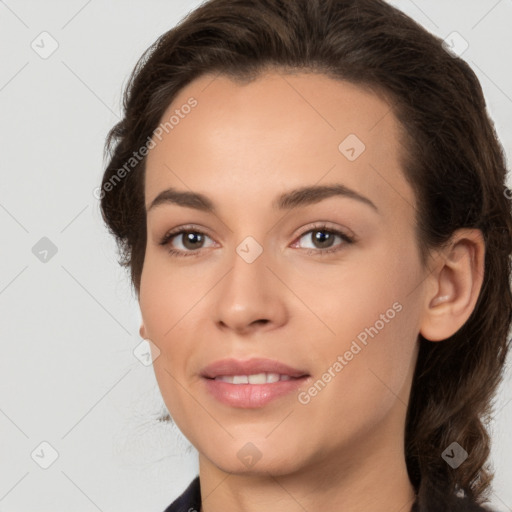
(236, 367)
(251, 384)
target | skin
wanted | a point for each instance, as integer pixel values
(242, 146)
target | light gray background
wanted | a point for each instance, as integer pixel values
(69, 325)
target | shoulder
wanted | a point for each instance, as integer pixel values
(189, 500)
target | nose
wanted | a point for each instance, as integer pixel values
(250, 298)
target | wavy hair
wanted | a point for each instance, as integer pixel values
(451, 156)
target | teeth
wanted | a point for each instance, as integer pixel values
(257, 378)
(273, 377)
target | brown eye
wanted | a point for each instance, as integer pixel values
(192, 239)
(324, 238)
(185, 242)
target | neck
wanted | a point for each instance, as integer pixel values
(371, 475)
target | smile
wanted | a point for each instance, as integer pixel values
(252, 383)
(255, 378)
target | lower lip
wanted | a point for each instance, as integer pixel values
(251, 396)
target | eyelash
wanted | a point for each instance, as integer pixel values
(323, 228)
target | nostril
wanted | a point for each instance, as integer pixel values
(261, 321)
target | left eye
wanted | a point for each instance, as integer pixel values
(322, 238)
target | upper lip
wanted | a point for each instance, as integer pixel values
(249, 367)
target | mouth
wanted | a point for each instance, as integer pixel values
(255, 378)
(251, 384)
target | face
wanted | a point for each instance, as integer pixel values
(315, 295)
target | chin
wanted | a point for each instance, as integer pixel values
(274, 467)
(256, 457)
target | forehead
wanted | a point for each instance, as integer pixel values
(278, 132)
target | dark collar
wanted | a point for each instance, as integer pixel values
(189, 500)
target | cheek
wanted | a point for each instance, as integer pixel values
(350, 297)
(167, 296)
(165, 302)
(371, 377)
(373, 319)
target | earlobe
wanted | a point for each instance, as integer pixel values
(142, 331)
(455, 283)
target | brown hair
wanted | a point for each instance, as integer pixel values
(451, 157)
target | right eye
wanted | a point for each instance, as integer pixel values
(189, 241)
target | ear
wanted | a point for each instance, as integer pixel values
(454, 285)
(142, 332)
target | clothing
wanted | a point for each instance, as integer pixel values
(190, 501)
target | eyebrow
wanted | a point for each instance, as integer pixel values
(289, 200)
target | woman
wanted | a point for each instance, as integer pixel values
(310, 197)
